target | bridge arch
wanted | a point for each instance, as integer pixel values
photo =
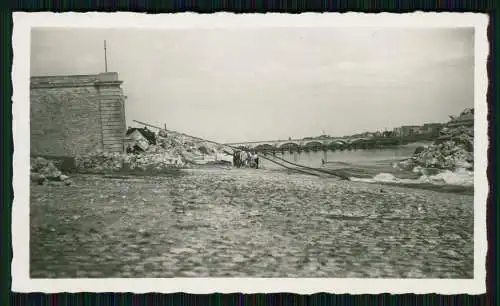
(337, 143)
(359, 140)
(314, 145)
(362, 143)
(265, 147)
(289, 146)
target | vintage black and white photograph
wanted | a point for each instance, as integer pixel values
(253, 152)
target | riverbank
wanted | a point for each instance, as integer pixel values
(247, 223)
(382, 172)
(381, 167)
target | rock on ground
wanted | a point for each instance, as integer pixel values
(43, 170)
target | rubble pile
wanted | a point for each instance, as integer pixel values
(192, 151)
(164, 151)
(452, 151)
(100, 161)
(43, 171)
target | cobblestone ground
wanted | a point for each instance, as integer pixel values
(253, 223)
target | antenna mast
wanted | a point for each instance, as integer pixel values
(105, 58)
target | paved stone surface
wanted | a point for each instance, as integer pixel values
(254, 223)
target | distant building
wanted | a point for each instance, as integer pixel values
(425, 129)
(407, 130)
(431, 128)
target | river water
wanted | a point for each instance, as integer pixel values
(351, 157)
(376, 166)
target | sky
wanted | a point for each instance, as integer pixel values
(252, 84)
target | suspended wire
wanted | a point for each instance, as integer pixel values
(314, 169)
(290, 168)
(263, 155)
(183, 134)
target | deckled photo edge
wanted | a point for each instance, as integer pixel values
(23, 22)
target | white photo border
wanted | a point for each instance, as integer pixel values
(24, 22)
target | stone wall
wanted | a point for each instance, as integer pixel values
(73, 115)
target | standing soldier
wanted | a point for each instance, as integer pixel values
(236, 159)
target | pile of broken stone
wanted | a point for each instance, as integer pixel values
(101, 161)
(43, 171)
(169, 152)
(453, 150)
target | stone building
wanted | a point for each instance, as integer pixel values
(407, 130)
(76, 114)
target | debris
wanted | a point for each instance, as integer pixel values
(38, 178)
(63, 177)
(419, 150)
(453, 149)
(44, 170)
(139, 139)
(167, 151)
(111, 162)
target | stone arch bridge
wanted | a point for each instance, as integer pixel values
(301, 144)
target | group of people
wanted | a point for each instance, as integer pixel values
(245, 159)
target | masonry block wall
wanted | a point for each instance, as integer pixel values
(78, 114)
